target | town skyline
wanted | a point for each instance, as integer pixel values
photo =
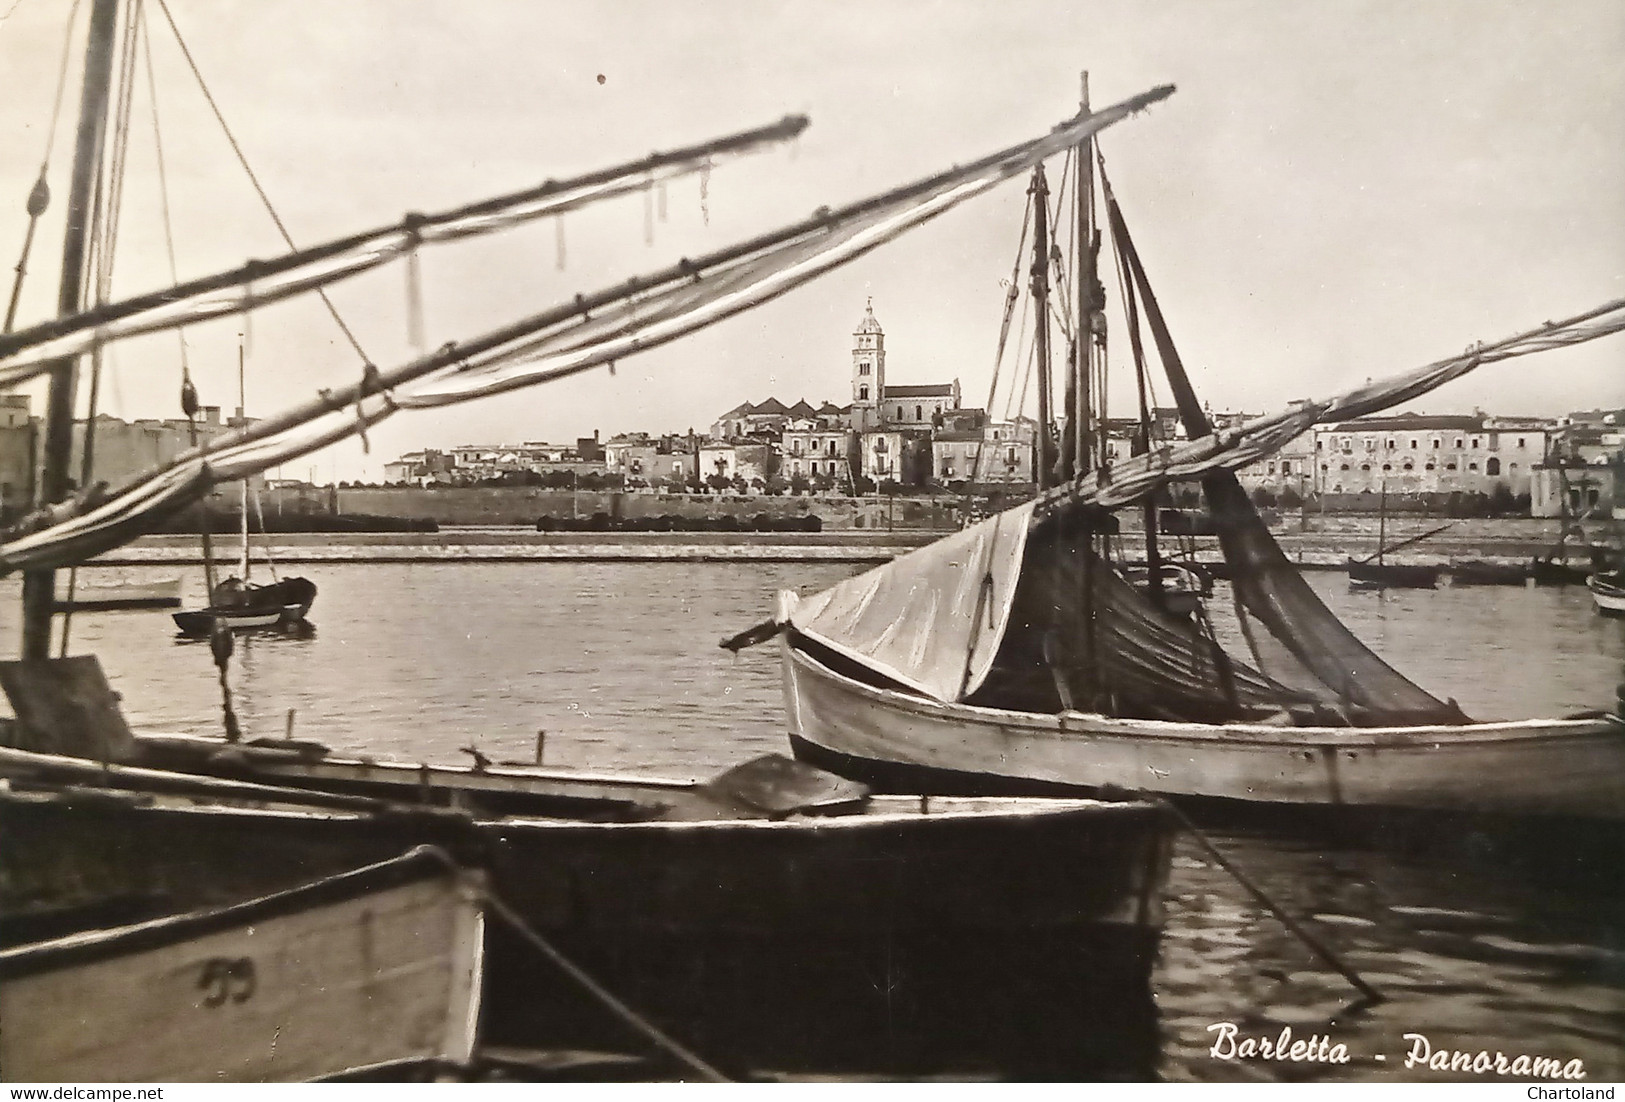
(1328, 196)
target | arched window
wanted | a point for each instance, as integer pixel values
(1492, 466)
(919, 415)
(863, 394)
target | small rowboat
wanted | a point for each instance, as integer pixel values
(375, 968)
(1608, 591)
(1377, 575)
(1478, 572)
(242, 606)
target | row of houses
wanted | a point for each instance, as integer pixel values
(1571, 462)
(918, 435)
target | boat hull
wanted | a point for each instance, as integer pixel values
(912, 939)
(1371, 575)
(280, 605)
(1488, 573)
(377, 968)
(1560, 768)
(1608, 596)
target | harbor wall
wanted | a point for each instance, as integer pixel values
(524, 505)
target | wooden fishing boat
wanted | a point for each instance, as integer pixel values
(1013, 656)
(242, 606)
(1608, 592)
(902, 741)
(375, 968)
(116, 595)
(1478, 572)
(1552, 571)
(935, 931)
(1375, 572)
(1390, 575)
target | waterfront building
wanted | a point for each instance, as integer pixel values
(989, 453)
(817, 453)
(420, 468)
(1414, 453)
(1583, 474)
(750, 464)
(652, 463)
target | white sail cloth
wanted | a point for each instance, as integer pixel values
(932, 619)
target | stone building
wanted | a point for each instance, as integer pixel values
(1422, 453)
(993, 453)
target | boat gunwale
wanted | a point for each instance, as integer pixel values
(418, 865)
(1073, 723)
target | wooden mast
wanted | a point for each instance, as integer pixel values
(1089, 309)
(244, 565)
(1040, 291)
(39, 586)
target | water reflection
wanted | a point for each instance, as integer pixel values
(618, 663)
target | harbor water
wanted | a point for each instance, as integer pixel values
(617, 663)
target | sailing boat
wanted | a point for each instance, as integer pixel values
(1013, 656)
(237, 603)
(1366, 574)
(755, 909)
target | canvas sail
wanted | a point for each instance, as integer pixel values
(931, 620)
(1311, 640)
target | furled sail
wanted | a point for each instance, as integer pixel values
(933, 619)
(570, 338)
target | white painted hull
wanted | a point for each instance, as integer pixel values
(1528, 767)
(1610, 599)
(379, 968)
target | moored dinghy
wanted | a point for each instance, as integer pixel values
(377, 968)
(1608, 592)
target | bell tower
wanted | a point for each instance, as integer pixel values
(868, 370)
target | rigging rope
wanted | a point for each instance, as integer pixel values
(29, 353)
(242, 159)
(39, 196)
(163, 190)
(566, 340)
(1012, 294)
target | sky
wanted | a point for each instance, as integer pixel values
(1338, 190)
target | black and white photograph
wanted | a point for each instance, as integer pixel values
(926, 541)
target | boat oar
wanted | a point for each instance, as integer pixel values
(1407, 543)
(653, 1033)
(1315, 945)
(761, 633)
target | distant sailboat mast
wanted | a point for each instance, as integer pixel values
(242, 404)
